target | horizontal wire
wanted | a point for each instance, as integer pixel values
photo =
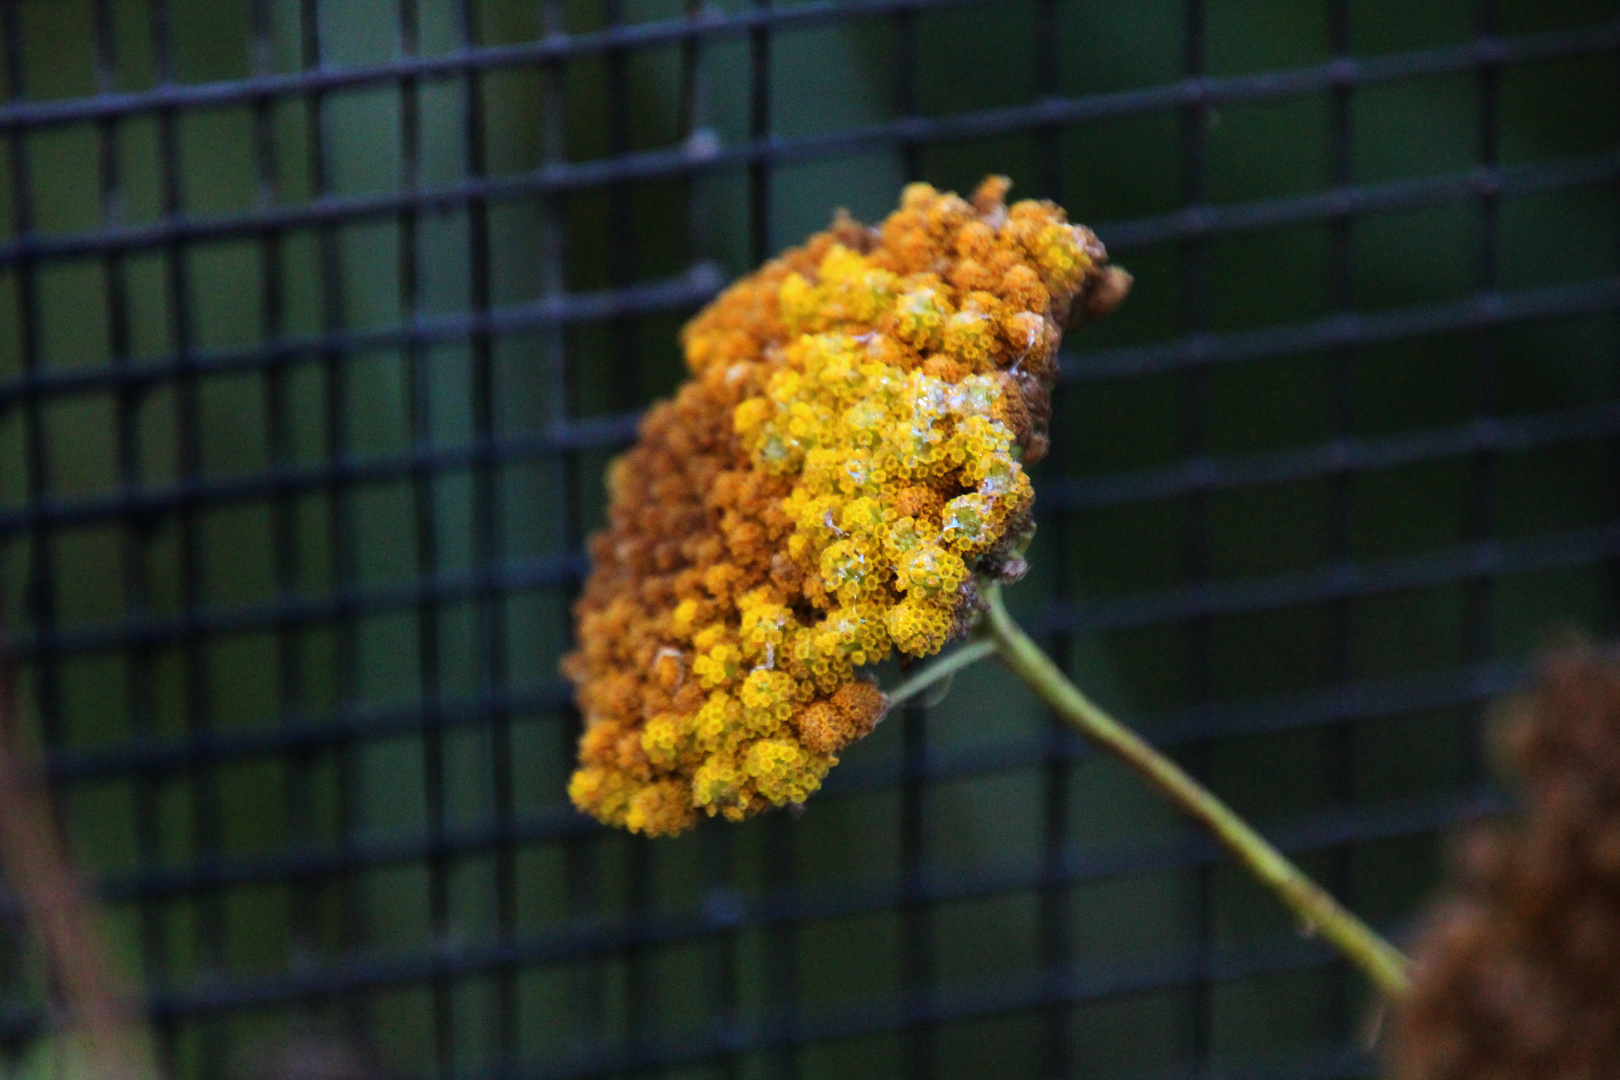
(693, 157)
(729, 911)
(1350, 455)
(345, 602)
(695, 286)
(701, 281)
(1478, 311)
(707, 24)
(1328, 1062)
(1334, 581)
(1343, 580)
(970, 999)
(143, 505)
(297, 733)
(1357, 700)
(1352, 200)
(301, 732)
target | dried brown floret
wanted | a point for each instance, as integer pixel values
(1517, 975)
(843, 461)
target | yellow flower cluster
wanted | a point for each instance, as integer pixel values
(826, 490)
(856, 430)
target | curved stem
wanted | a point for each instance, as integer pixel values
(101, 1008)
(943, 668)
(1318, 911)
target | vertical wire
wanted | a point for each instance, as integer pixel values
(419, 402)
(1337, 667)
(136, 534)
(1055, 940)
(1193, 414)
(781, 831)
(1049, 86)
(40, 590)
(621, 255)
(1479, 625)
(298, 765)
(339, 512)
(719, 849)
(694, 112)
(916, 916)
(916, 960)
(586, 983)
(621, 263)
(1613, 449)
(487, 539)
(904, 79)
(759, 130)
(205, 815)
(16, 978)
(489, 547)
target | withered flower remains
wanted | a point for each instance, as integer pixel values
(1517, 976)
(823, 492)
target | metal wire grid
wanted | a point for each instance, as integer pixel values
(312, 737)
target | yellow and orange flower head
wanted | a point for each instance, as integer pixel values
(842, 467)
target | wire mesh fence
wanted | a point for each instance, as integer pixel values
(320, 321)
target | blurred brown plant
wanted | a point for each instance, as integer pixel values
(1517, 972)
(101, 1013)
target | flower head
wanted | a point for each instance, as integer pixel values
(844, 463)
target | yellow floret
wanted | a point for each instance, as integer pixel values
(967, 524)
(682, 619)
(931, 571)
(768, 699)
(784, 771)
(850, 290)
(718, 725)
(750, 414)
(661, 741)
(901, 539)
(864, 516)
(798, 302)
(1059, 256)
(603, 793)
(920, 318)
(969, 337)
(720, 665)
(661, 808)
(765, 626)
(718, 784)
(918, 627)
(853, 569)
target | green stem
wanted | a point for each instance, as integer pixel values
(943, 668)
(1318, 911)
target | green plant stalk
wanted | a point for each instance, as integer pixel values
(1317, 910)
(943, 668)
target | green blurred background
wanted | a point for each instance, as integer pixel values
(293, 766)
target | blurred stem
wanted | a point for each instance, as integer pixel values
(941, 669)
(1317, 910)
(101, 1009)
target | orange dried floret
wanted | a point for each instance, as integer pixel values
(844, 463)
